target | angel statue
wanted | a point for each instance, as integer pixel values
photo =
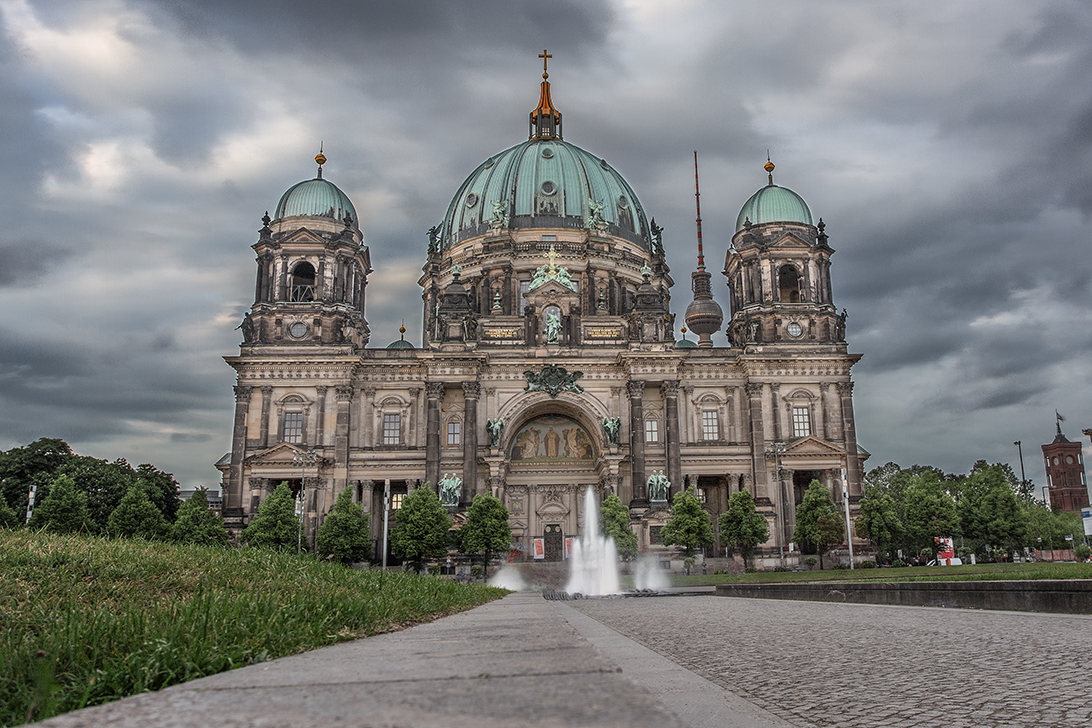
(611, 425)
(494, 428)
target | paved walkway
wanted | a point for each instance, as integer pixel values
(820, 664)
(697, 661)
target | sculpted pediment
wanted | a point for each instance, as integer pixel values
(303, 235)
(280, 454)
(812, 445)
(790, 241)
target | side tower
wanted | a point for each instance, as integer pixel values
(300, 338)
(793, 351)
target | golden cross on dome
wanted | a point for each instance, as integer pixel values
(545, 59)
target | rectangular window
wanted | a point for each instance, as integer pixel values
(293, 427)
(392, 428)
(396, 501)
(701, 495)
(524, 287)
(549, 238)
(710, 427)
(801, 422)
(652, 431)
(453, 434)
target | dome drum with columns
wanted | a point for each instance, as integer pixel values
(548, 360)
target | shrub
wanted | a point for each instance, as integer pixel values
(477, 570)
(811, 561)
(197, 524)
(748, 570)
(838, 566)
(276, 526)
(868, 564)
(898, 564)
(1082, 551)
(137, 516)
(780, 568)
(344, 535)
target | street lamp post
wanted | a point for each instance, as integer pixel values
(302, 459)
(1051, 532)
(1023, 478)
(774, 452)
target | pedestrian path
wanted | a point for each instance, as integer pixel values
(517, 661)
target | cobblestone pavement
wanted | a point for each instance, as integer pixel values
(819, 664)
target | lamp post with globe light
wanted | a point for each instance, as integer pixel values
(302, 458)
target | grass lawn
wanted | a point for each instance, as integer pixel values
(85, 620)
(978, 572)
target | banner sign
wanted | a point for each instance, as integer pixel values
(538, 548)
(568, 546)
(1086, 514)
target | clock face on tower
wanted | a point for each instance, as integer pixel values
(794, 330)
(298, 330)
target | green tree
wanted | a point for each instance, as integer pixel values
(614, 522)
(741, 526)
(198, 524)
(990, 515)
(930, 511)
(276, 525)
(137, 516)
(35, 464)
(162, 490)
(879, 521)
(818, 521)
(690, 525)
(486, 530)
(63, 510)
(8, 517)
(422, 528)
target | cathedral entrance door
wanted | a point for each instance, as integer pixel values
(554, 540)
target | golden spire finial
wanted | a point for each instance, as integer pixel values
(320, 158)
(402, 329)
(545, 58)
(769, 166)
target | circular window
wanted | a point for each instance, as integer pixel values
(1055, 460)
(547, 152)
(298, 330)
(488, 163)
(603, 164)
(548, 187)
(623, 202)
(1068, 459)
(794, 329)
(471, 200)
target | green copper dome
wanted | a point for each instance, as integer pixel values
(315, 197)
(774, 204)
(548, 183)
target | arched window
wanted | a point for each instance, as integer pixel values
(790, 284)
(303, 283)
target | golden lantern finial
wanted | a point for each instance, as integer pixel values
(321, 159)
(769, 166)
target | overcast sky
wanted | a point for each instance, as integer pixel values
(948, 146)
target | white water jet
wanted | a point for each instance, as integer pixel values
(649, 575)
(593, 568)
(508, 577)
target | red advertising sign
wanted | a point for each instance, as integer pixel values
(538, 548)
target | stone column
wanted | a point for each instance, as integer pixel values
(776, 412)
(636, 390)
(344, 395)
(320, 418)
(471, 392)
(853, 463)
(267, 396)
(834, 413)
(282, 286)
(434, 392)
(670, 392)
(367, 418)
(758, 440)
(233, 498)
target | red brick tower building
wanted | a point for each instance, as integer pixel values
(1065, 473)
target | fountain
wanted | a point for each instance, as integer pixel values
(593, 568)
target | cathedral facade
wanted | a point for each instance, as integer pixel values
(548, 361)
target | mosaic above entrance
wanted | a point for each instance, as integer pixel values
(551, 438)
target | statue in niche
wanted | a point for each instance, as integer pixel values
(552, 328)
(451, 488)
(594, 220)
(470, 327)
(658, 487)
(612, 426)
(494, 428)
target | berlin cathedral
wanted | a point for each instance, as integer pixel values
(548, 360)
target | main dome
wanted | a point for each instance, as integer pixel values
(318, 198)
(545, 183)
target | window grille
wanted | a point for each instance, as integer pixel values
(293, 427)
(652, 431)
(454, 436)
(801, 422)
(392, 428)
(710, 427)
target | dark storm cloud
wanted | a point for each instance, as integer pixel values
(23, 262)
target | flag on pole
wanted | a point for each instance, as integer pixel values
(1060, 418)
